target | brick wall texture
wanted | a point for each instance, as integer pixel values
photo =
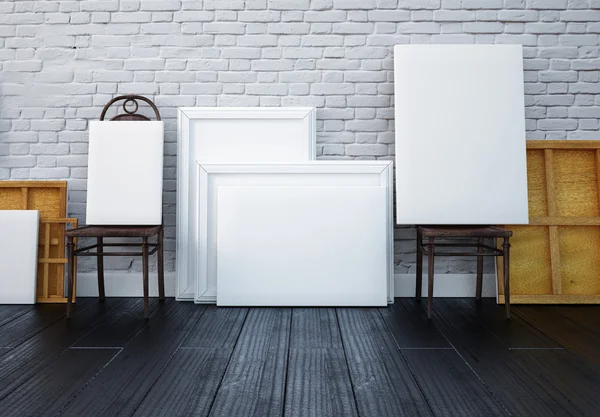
(61, 61)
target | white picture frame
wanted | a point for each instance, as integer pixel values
(18, 260)
(460, 134)
(331, 174)
(231, 135)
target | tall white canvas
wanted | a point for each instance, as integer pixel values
(231, 135)
(18, 256)
(330, 222)
(125, 173)
(460, 134)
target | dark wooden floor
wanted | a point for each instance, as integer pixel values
(191, 360)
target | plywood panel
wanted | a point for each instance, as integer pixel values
(530, 252)
(556, 258)
(580, 259)
(50, 199)
(575, 183)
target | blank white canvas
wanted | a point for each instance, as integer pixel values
(125, 173)
(301, 246)
(18, 256)
(323, 175)
(460, 134)
(231, 135)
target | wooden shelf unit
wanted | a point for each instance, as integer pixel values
(556, 258)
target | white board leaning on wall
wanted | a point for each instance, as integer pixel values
(18, 255)
(460, 134)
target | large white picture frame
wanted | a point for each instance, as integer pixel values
(460, 134)
(231, 135)
(332, 175)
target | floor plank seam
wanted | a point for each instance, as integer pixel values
(412, 372)
(337, 320)
(551, 385)
(162, 371)
(524, 319)
(17, 317)
(533, 348)
(66, 405)
(212, 402)
(487, 387)
(287, 363)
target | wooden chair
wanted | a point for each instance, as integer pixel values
(431, 233)
(101, 231)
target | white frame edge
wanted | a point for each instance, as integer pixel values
(383, 168)
(184, 116)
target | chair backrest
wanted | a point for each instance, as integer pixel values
(130, 114)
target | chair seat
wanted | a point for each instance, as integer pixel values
(463, 231)
(114, 231)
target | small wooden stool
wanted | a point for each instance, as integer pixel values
(100, 232)
(449, 232)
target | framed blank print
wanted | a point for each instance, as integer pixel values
(18, 257)
(460, 134)
(231, 135)
(329, 222)
(125, 173)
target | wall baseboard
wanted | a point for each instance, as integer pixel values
(125, 284)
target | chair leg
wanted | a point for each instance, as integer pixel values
(70, 274)
(101, 294)
(506, 260)
(161, 266)
(419, 281)
(479, 268)
(145, 274)
(430, 264)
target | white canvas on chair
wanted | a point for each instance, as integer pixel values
(231, 135)
(460, 134)
(315, 199)
(125, 173)
(18, 256)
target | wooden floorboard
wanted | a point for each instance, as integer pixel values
(521, 391)
(382, 381)
(410, 331)
(450, 387)
(315, 328)
(318, 380)
(190, 382)
(11, 312)
(578, 337)
(124, 382)
(53, 386)
(254, 383)
(42, 348)
(568, 373)
(515, 333)
(118, 328)
(31, 322)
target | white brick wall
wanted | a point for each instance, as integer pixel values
(61, 61)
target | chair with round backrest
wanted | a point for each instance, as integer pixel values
(99, 232)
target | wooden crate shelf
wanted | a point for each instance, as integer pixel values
(556, 258)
